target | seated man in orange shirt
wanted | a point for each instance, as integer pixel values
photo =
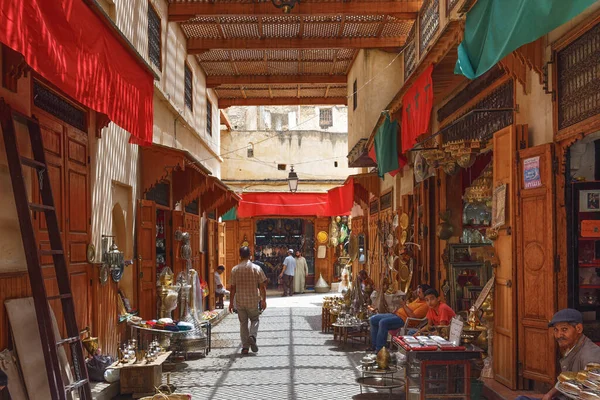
(382, 323)
(439, 313)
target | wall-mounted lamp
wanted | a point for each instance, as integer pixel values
(113, 261)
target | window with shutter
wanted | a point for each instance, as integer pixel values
(354, 95)
(209, 117)
(325, 118)
(154, 42)
(189, 101)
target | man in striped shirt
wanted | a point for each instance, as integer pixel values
(247, 279)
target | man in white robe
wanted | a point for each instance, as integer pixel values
(300, 273)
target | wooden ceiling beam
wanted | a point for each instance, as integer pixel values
(219, 80)
(197, 46)
(180, 12)
(284, 101)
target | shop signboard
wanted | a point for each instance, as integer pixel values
(531, 173)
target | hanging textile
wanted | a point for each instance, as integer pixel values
(416, 109)
(230, 215)
(385, 149)
(70, 46)
(340, 200)
(495, 28)
(284, 204)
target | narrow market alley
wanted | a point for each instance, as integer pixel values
(295, 360)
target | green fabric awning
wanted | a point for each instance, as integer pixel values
(495, 28)
(230, 215)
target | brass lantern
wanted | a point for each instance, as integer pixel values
(285, 5)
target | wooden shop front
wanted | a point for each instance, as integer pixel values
(177, 191)
(269, 238)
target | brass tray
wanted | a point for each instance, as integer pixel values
(377, 382)
(404, 221)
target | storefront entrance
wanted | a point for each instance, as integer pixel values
(582, 174)
(275, 236)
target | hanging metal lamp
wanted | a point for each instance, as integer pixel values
(293, 180)
(285, 5)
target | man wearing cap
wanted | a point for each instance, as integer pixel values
(287, 274)
(576, 349)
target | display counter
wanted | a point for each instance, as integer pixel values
(436, 373)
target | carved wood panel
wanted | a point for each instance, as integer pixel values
(535, 265)
(505, 295)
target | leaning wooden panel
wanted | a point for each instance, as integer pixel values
(535, 263)
(505, 296)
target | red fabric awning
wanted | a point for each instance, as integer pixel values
(70, 46)
(338, 201)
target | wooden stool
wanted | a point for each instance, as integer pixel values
(219, 300)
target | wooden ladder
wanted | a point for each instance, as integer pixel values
(50, 344)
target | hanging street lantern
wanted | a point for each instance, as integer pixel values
(293, 180)
(285, 5)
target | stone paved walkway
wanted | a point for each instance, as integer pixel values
(295, 360)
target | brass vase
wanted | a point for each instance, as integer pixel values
(383, 358)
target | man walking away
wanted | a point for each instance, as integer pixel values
(246, 281)
(287, 274)
(301, 272)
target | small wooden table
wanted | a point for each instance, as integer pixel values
(354, 332)
(141, 379)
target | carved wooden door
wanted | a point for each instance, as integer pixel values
(54, 146)
(67, 157)
(192, 225)
(77, 223)
(221, 244)
(323, 265)
(505, 291)
(231, 248)
(177, 225)
(146, 252)
(212, 261)
(535, 263)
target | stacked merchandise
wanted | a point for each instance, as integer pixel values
(583, 385)
(165, 324)
(426, 343)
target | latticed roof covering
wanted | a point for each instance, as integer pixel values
(253, 54)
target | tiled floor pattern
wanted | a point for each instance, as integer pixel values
(295, 360)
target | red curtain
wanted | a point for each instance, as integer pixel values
(70, 46)
(416, 109)
(338, 201)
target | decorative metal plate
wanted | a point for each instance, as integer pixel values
(104, 269)
(404, 221)
(91, 253)
(322, 237)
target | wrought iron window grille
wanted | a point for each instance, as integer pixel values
(486, 125)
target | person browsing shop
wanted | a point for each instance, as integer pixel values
(576, 349)
(287, 274)
(439, 314)
(382, 323)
